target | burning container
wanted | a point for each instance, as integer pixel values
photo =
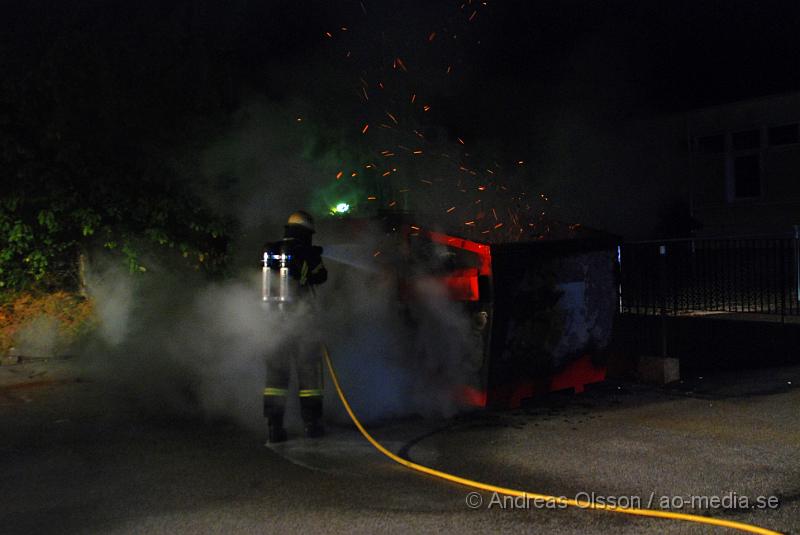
(541, 311)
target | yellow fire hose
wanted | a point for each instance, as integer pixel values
(530, 495)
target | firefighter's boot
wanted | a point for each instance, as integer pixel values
(311, 411)
(274, 407)
(315, 429)
(275, 430)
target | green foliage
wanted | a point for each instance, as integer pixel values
(91, 126)
(43, 229)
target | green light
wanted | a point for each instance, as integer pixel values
(342, 208)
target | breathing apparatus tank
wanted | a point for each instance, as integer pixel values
(283, 262)
(277, 287)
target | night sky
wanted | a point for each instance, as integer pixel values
(662, 55)
(133, 78)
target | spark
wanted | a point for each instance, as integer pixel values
(426, 181)
(387, 173)
(353, 174)
(377, 253)
(497, 226)
(328, 35)
(449, 68)
(521, 162)
(401, 64)
(371, 198)
(417, 152)
(364, 130)
(426, 108)
(472, 17)
(451, 209)
(461, 141)
(299, 119)
(469, 223)
(339, 175)
(391, 204)
(431, 37)
(413, 97)
(414, 227)
(392, 117)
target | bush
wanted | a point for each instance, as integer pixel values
(70, 314)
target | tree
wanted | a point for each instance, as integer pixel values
(89, 121)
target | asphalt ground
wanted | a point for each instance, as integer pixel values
(78, 458)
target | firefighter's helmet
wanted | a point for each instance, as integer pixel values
(301, 219)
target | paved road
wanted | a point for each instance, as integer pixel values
(75, 458)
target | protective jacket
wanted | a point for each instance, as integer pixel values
(304, 262)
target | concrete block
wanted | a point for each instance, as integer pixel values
(659, 370)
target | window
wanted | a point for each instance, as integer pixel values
(783, 135)
(749, 139)
(747, 176)
(711, 144)
(742, 155)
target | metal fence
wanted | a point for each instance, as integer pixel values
(759, 275)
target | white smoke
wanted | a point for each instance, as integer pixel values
(176, 343)
(40, 337)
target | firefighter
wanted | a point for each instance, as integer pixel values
(302, 271)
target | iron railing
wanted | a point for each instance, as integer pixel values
(759, 275)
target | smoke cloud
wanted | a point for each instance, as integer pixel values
(40, 337)
(366, 136)
(177, 344)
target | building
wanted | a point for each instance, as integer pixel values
(744, 167)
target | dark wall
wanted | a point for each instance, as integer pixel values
(704, 344)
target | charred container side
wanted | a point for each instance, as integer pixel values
(553, 305)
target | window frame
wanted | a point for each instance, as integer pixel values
(731, 154)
